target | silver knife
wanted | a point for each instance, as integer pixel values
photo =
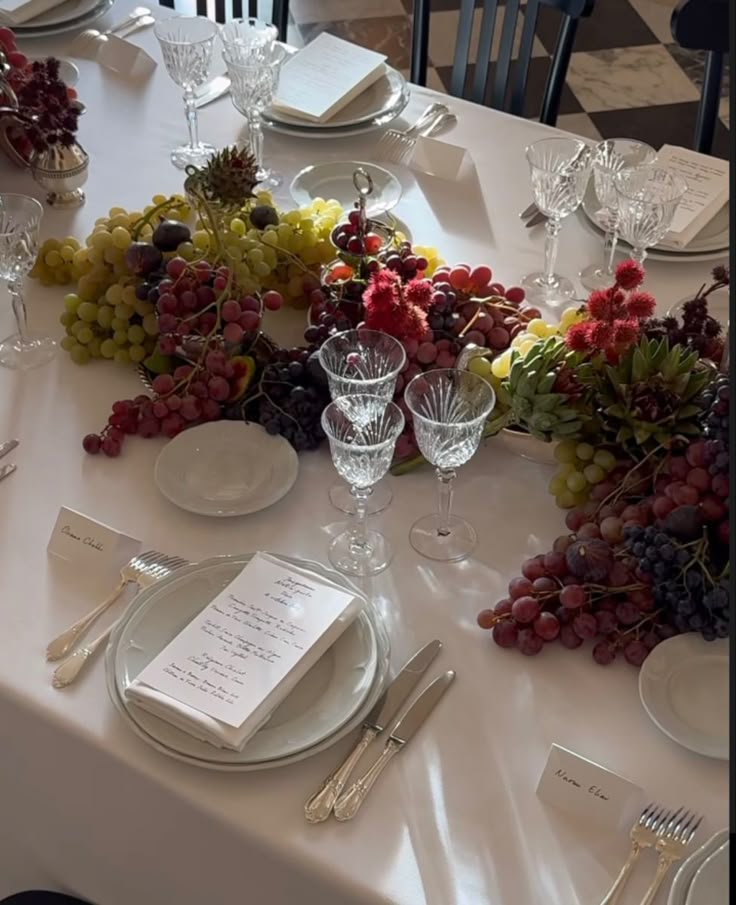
(535, 220)
(348, 805)
(320, 804)
(216, 88)
(6, 470)
(7, 447)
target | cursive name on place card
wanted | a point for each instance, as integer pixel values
(588, 790)
(89, 544)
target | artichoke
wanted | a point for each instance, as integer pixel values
(648, 398)
(528, 392)
(227, 179)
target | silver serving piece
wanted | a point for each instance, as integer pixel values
(62, 171)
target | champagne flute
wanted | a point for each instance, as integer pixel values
(186, 44)
(449, 409)
(20, 220)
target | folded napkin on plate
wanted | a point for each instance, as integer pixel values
(16, 12)
(216, 732)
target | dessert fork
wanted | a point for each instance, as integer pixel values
(394, 144)
(142, 570)
(643, 835)
(672, 842)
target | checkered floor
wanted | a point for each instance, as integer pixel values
(626, 78)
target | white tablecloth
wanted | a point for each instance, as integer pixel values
(88, 807)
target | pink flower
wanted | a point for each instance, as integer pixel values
(629, 274)
(640, 305)
(599, 305)
(625, 332)
(601, 334)
(578, 337)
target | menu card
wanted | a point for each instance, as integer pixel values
(325, 76)
(224, 674)
(707, 180)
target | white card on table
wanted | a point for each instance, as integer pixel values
(89, 544)
(325, 76)
(707, 180)
(438, 158)
(252, 643)
(587, 790)
(119, 55)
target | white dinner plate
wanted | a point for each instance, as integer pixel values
(332, 699)
(710, 243)
(226, 468)
(718, 306)
(335, 180)
(683, 877)
(683, 685)
(41, 27)
(378, 104)
(710, 883)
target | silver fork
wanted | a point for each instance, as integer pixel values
(643, 835)
(672, 842)
(140, 17)
(394, 144)
(147, 567)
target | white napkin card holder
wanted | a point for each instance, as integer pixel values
(587, 790)
(438, 158)
(124, 58)
(90, 545)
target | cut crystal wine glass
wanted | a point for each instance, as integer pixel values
(362, 431)
(253, 82)
(20, 221)
(559, 169)
(248, 39)
(648, 197)
(366, 362)
(449, 409)
(612, 156)
(186, 44)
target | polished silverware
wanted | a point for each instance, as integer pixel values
(643, 834)
(7, 447)
(394, 144)
(142, 570)
(347, 805)
(529, 211)
(90, 39)
(7, 470)
(68, 671)
(535, 220)
(320, 805)
(210, 91)
(62, 171)
(673, 839)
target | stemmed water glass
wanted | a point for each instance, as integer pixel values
(559, 169)
(366, 362)
(20, 220)
(246, 39)
(648, 197)
(186, 44)
(253, 82)
(362, 431)
(449, 409)
(611, 156)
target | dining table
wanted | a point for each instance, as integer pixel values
(88, 808)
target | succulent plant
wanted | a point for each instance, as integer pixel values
(648, 398)
(528, 392)
(227, 179)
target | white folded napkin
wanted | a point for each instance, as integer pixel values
(16, 12)
(218, 733)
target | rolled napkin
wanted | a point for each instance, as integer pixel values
(222, 677)
(16, 12)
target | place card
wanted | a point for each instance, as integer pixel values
(707, 180)
(587, 790)
(89, 544)
(224, 674)
(438, 158)
(124, 58)
(325, 76)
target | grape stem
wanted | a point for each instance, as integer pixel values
(625, 485)
(173, 202)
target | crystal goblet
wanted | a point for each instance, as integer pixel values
(186, 44)
(362, 432)
(253, 82)
(559, 169)
(648, 197)
(247, 39)
(449, 409)
(20, 220)
(362, 361)
(611, 156)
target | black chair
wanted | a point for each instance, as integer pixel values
(704, 25)
(222, 14)
(509, 83)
